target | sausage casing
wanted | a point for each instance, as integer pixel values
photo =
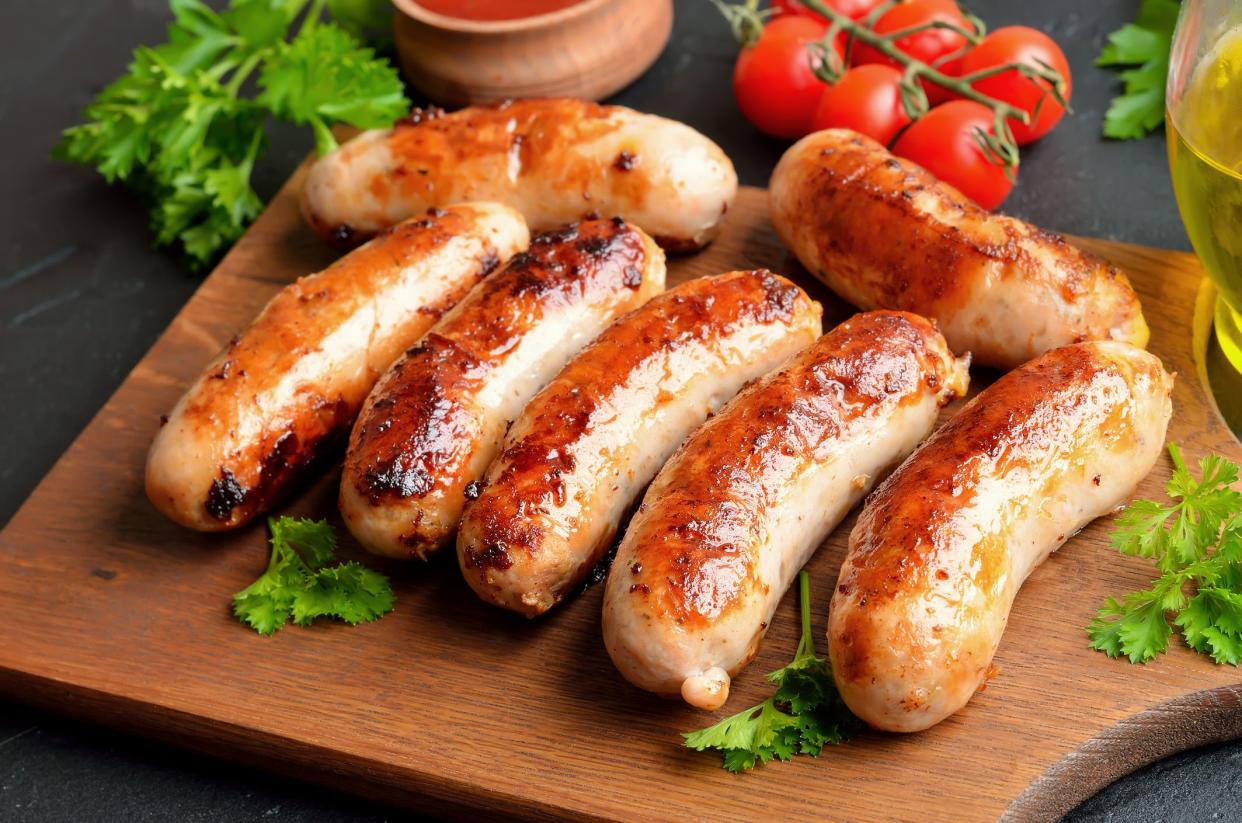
(437, 418)
(588, 444)
(940, 550)
(554, 160)
(883, 233)
(290, 384)
(741, 507)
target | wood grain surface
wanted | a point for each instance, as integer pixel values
(114, 615)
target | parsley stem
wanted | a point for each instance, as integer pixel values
(806, 646)
(244, 71)
(312, 16)
(221, 68)
(274, 557)
(1176, 454)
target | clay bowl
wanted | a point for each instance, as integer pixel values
(589, 50)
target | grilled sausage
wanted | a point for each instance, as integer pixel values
(585, 447)
(436, 419)
(940, 550)
(883, 233)
(554, 160)
(742, 506)
(289, 386)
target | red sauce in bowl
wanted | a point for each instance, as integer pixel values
(494, 9)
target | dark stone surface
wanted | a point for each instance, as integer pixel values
(82, 296)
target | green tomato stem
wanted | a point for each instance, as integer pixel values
(914, 68)
(745, 20)
(879, 11)
(901, 34)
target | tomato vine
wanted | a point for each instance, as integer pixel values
(830, 60)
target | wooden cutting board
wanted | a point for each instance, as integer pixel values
(114, 615)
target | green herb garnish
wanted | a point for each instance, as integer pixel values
(299, 583)
(804, 715)
(1142, 49)
(179, 129)
(1196, 543)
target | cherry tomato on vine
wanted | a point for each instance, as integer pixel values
(774, 81)
(1020, 44)
(943, 142)
(866, 99)
(927, 46)
(853, 9)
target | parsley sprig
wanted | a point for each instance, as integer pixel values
(1196, 543)
(801, 717)
(179, 129)
(299, 583)
(1142, 49)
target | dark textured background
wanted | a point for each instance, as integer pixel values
(82, 296)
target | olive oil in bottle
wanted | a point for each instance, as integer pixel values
(1205, 156)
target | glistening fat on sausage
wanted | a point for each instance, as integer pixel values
(550, 505)
(290, 385)
(554, 160)
(742, 505)
(884, 233)
(940, 550)
(437, 418)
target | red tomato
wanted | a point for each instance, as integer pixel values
(866, 99)
(943, 142)
(929, 45)
(1019, 44)
(853, 9)
(773, 80)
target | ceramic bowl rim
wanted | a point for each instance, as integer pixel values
(414, 11)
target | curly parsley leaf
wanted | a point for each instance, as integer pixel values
(1142, 48)
(801, 717)
(300, 585)
(1212, 624)
(323, 76)
(1196, 543)
(178, 128)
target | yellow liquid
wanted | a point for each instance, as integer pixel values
(1205, 156)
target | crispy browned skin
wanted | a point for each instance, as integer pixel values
(418, 440)
(940, 550)
(882, 232)
(554, 160)
(527, 541)
(292, 383)
(730, 473)
(536, 134)
(753, 493)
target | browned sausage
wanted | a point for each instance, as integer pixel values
(554, 160)
(742, 506)
(292, 383)
(885, 234)
(588, 443)
(940, 550)
(436, 419)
